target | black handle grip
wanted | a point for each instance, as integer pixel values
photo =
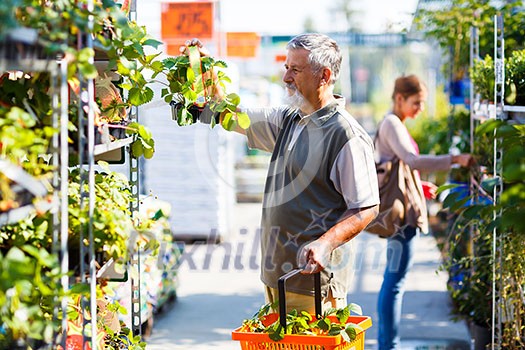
(281, 284)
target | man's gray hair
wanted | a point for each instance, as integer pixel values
(324, 52)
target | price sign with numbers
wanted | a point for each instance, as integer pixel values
(187, 20)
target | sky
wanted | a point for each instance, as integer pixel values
(288, 16)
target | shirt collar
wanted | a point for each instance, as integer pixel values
(322, 115)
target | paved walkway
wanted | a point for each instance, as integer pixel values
(220, 286)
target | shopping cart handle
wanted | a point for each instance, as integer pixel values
(282, 292)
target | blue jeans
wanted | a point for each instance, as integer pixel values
(398, 261)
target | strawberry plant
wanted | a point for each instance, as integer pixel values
(193, 82)
(143, 143)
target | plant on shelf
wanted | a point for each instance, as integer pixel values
(515, 78)
(112, 198)
(450, 28)
(482, 75)
(472, 294)
(195, 83)
(29, 288)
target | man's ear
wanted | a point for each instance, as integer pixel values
(326, 76)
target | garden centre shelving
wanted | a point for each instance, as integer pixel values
(57, 201)
(54, 197)
(512, 114)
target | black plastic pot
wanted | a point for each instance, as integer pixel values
(481, 335)
(202, 114)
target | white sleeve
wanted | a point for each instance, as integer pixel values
(354, 175)
(394, 136)
(265, 125)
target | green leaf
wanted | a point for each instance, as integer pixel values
(122, 69)
(343, 314)
(233, 99)
(85, 54)
(147, 95)
(88, 70)
(228, 123)
(276, 333)
(16, 255)
(324, 324)
(451, 199)
(157, 66)
(190, 75)
(243, 119)
(152, 42)
(221, 64)
(443, 188)
(459, 203)
(137, 149)
(473, 212)
(126, 86)
(489, 184)
(355, 308)
(488, 127)
(138, 47)
(349, 333)
(144, 132)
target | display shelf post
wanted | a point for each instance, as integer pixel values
(134, 180)
(64, 200)
(499, 96)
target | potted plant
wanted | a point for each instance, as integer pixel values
(482, 75)
(515, 78)
(193, 83)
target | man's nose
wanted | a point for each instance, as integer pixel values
(287, 78)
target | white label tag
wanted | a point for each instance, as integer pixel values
(498, 66)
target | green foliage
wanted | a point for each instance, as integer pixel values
(196, 82)
(515, 78)
(29, 289)
(25, 141)
(333, 322)
(8, 16)
(112, 200)
(124, 340)
(450, 28)
(476, 220)
(482, 75)
(143, 143)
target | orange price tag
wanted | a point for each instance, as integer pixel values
(242, 44)
(187, 20)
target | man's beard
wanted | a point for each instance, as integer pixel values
(293, 97)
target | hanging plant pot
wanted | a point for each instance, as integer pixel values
(481, 335)
(192, 114)
(193, 91)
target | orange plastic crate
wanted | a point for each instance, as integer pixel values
(261, 341)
